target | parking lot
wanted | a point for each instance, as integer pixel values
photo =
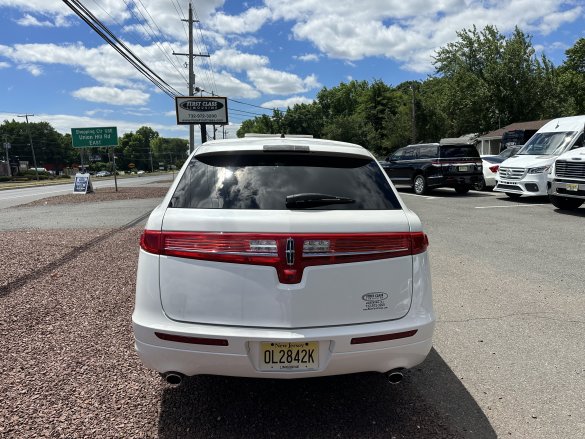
(508, 361)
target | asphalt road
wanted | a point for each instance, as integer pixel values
(14, 197)
(509, 290)
(508, 357)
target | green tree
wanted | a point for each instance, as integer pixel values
(493, 80)
(173, 151)
(52, 149)
(571, 77)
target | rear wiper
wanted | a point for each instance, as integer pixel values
(314, 200)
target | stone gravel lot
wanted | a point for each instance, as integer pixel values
(68, 369)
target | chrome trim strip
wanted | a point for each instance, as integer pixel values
(315, 255)
(221, 253)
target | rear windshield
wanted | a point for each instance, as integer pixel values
(449, 152)
(263, 181)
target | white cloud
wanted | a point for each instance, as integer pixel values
(112, 95)
(33, 69)
(98, 111)
(265, 79)
(109, 69)
(410, 32)
(553, 21)
(29, 20)
(4, 65)
(247, 22)
(307, 57)
(286, 103)
(276, 82)
(238, 61)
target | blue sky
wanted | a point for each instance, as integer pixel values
(270, 53)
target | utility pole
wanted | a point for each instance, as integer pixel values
(413, 116)
(192, 79)
(31, 142)
(6, 146)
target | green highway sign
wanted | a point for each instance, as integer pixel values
(94, 137)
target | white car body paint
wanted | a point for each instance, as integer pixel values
(247, 305)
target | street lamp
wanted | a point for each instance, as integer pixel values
(31, 143)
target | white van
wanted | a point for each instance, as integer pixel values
(526, 172)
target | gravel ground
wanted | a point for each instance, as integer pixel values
(68, 367)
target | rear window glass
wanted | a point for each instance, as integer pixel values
(448, 152)
(263, 181)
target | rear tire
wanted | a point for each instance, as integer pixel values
(462, 189)
(480, 185)
(420, 185)
(512, 195)
(565, 203)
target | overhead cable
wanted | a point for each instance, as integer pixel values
(82, 12)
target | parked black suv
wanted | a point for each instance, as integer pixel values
(450, 163)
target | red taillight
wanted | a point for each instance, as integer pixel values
(494, 168)
(289, 254)
(150, 241)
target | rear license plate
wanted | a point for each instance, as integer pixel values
(572, 187)
(462, 168)
(296, 355)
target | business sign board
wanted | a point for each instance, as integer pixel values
(196, 110)
(82, 184)
(94, 137)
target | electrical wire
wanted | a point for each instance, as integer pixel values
(82, 12)
(181, 17)
(157, 40)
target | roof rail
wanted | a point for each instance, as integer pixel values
(288, 136)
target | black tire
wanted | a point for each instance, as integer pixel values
(512, 195)
(419, 184)
(480, 185)
(565, 203)
(462, 189)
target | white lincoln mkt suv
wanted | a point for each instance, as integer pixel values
(282, 257)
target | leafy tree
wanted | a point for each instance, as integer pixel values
(304, 119)
(571, 90)
(170, 150)
(51, 148)
(492, 80)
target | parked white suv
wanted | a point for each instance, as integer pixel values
(282, 258)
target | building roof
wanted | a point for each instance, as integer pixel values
(532, 125)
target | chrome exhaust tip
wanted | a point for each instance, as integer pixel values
(395, 376)
(173, 378)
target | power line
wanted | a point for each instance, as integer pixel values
(181, 16)
(157, 40)
(82, 12)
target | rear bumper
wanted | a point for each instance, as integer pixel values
(453, 180)
(241, 357)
